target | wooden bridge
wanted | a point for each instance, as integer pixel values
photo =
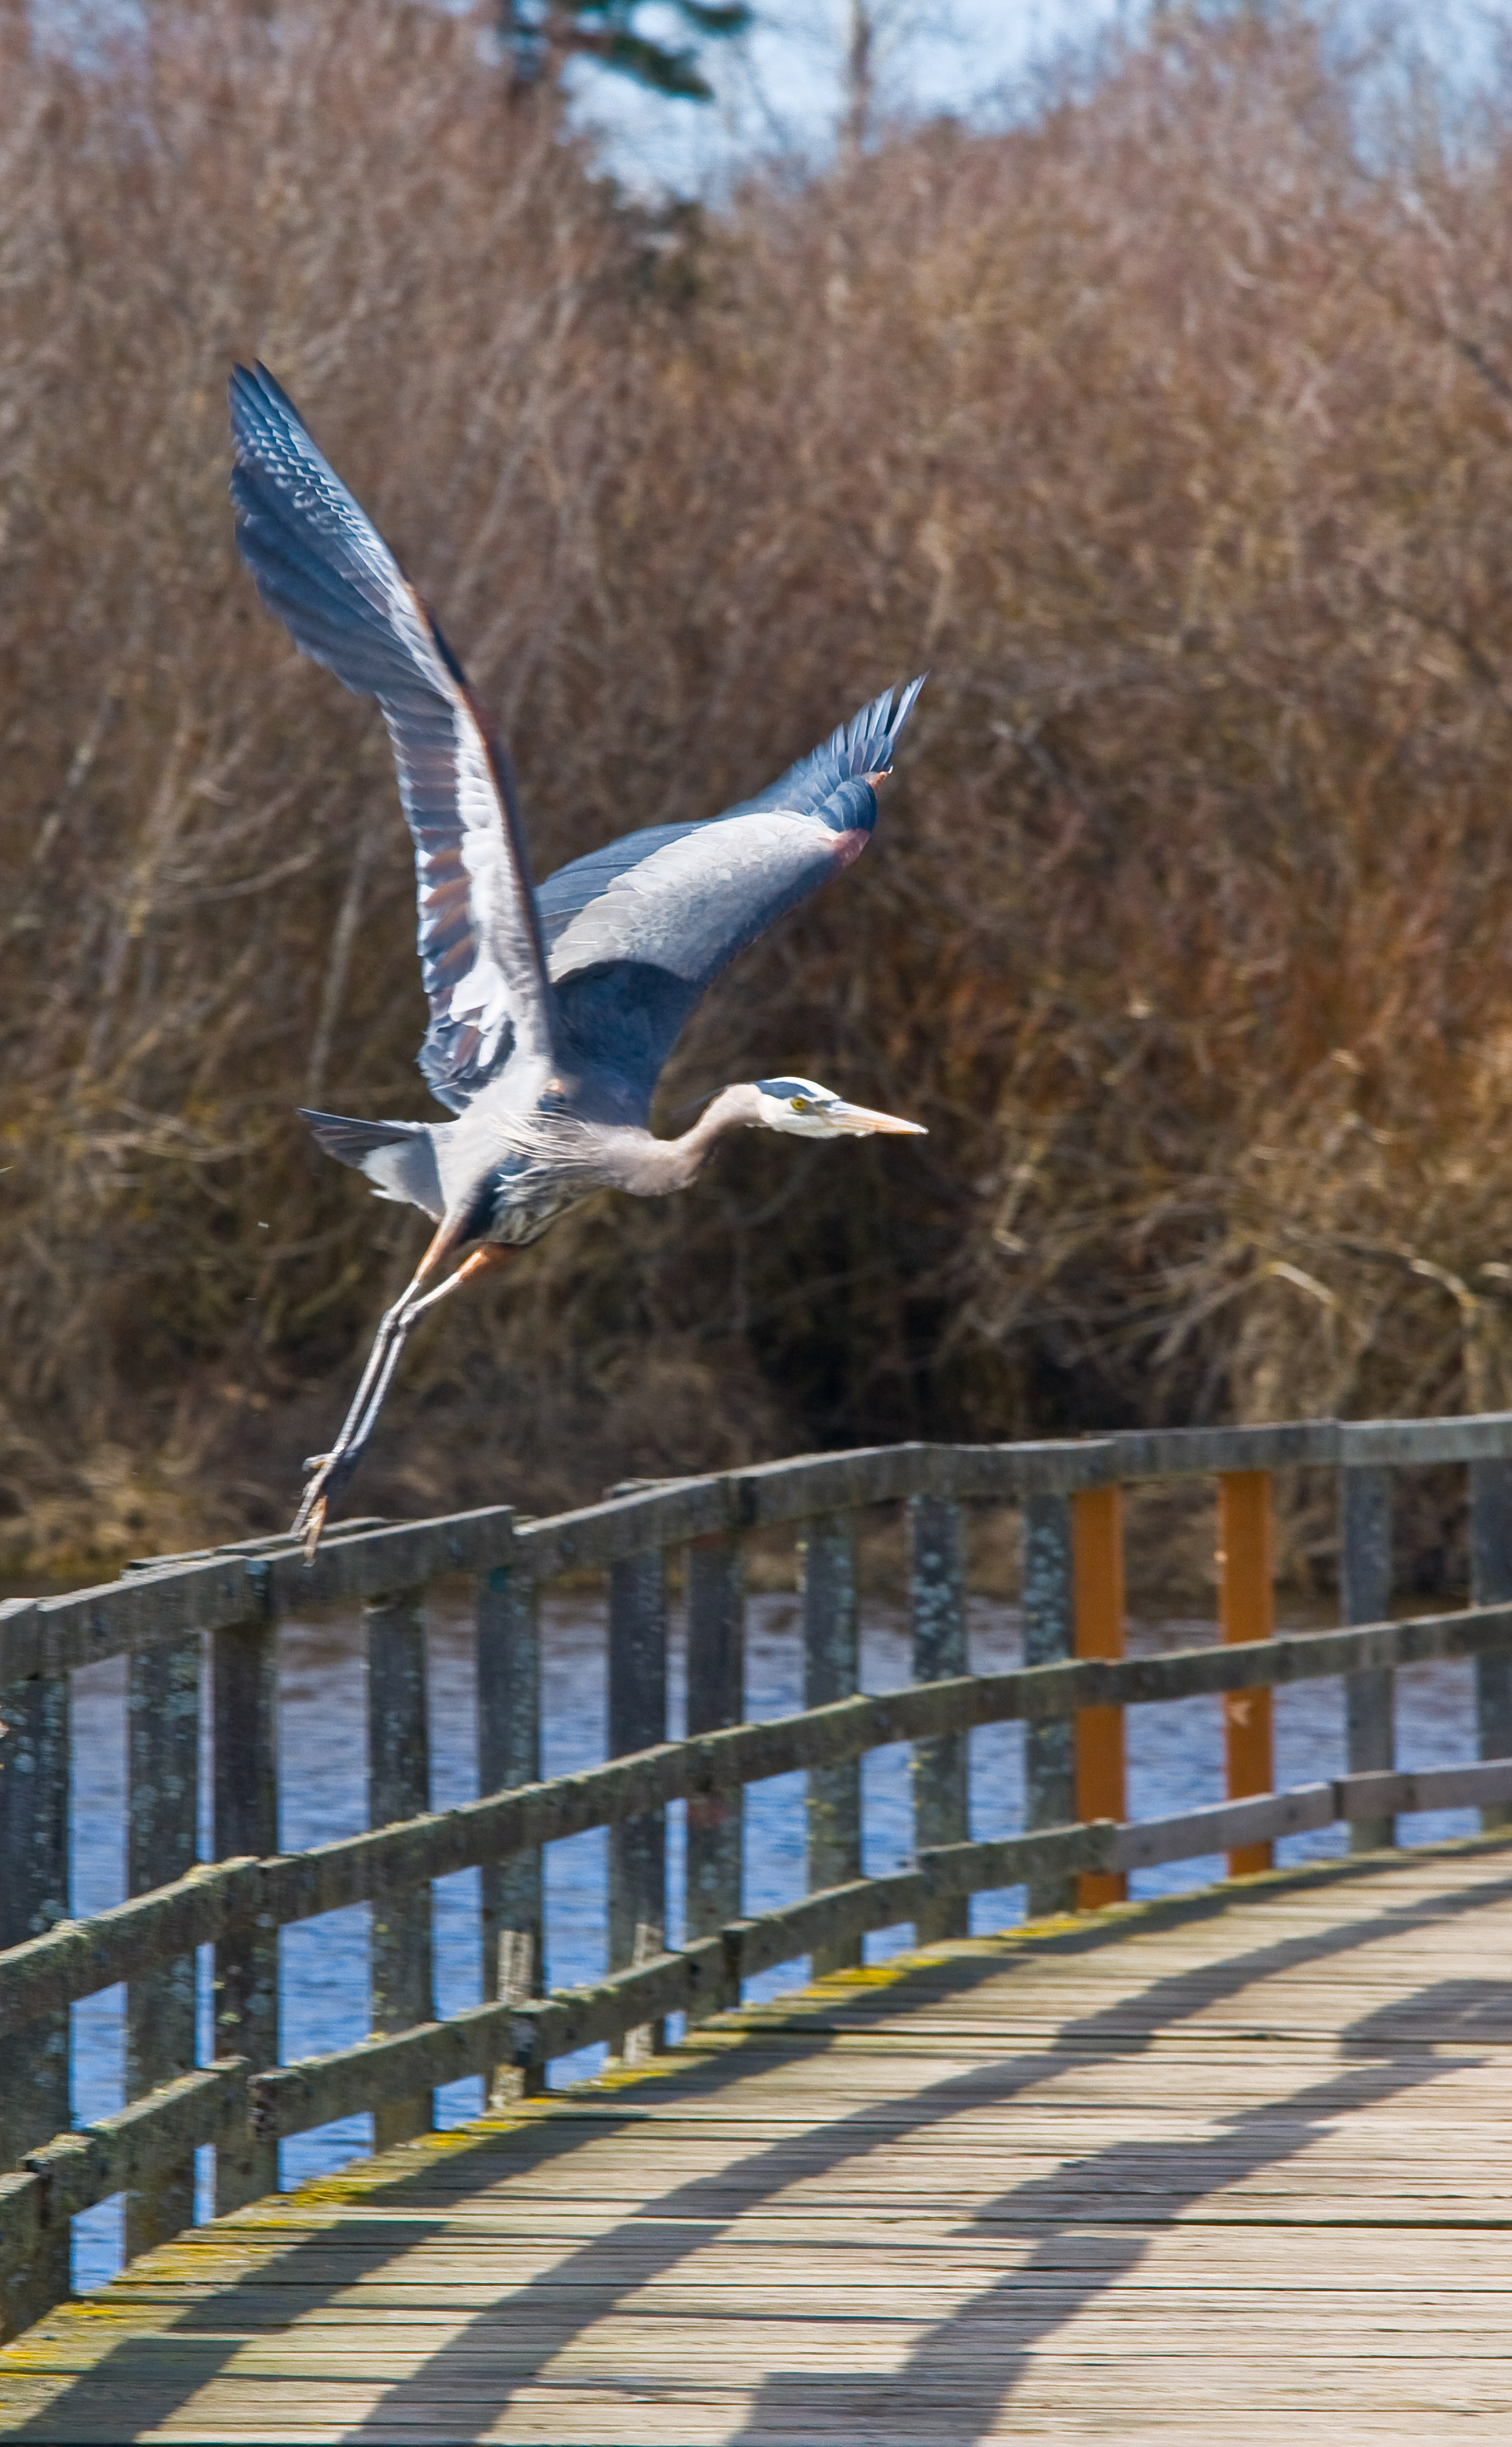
(1209, 2165)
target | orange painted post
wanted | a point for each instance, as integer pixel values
(1246, 1564)
(1097, 1567)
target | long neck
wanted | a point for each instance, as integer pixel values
(662, 1164)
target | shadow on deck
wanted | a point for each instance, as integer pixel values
(883, 2211)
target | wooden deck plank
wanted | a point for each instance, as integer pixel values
(1225, 2167)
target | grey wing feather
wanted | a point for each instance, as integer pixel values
(321, 564)
(637, 931)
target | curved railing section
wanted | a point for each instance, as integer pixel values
(215, 1615)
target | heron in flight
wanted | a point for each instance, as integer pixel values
(551, 1009)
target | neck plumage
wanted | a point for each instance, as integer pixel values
(657, 1166)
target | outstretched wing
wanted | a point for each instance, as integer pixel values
(637, 931)
(321, 564)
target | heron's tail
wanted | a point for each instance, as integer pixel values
(398, 1157)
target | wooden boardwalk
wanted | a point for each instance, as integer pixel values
(1232, 2169)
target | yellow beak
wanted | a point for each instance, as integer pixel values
(862, 1122)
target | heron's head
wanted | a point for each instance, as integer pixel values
(811, 1112)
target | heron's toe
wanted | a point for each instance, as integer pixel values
(313, 1527)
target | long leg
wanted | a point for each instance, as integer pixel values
(332, 1470)
(438, 1250)
(359, 1428)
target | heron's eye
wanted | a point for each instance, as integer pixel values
(800, 1104)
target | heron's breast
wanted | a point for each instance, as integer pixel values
(523, 1209)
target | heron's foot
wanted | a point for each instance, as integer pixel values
(325, 1480)
(312, 1501)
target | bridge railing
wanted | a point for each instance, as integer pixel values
(217, 1614)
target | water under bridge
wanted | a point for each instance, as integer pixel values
(1206, 2164)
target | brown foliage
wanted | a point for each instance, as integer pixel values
(1170, 432)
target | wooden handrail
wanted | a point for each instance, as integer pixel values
(204, 1592)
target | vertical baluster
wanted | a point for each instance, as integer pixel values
(1049, 1762)
(244, 1701)
(162, 1826)
(637, 1720)
(1097, 1546)
(937, 1601)
(509, 1754)
(1491, 1585)
(1246, 1560)
(827, 1557)
(399, 1787)
(33, 1897)
(716, 1697)
(1365, 1596)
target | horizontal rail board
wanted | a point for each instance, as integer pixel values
(78, 1957)
(118, 2154)
(1483, 1436)
(54, 1634)
(218, 1899)
(1220, 1827)
(827, 1918)
(295, 2098)
(207, 1592)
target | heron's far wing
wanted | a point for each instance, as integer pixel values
(322, 567)
(637, 931)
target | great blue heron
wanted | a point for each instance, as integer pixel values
(552, 1011)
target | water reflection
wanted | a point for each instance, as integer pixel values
(1175, 1761)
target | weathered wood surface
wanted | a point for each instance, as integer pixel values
(938, 1769)
(1228, 2168)
(1048, 1607)
(33, 1898)
(400, 1968)
(832, 1659)
(244, 1696)
(1365, 1596)
(717, 1698)
(637, 1722)
(513, 1892)
(162, 1805)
